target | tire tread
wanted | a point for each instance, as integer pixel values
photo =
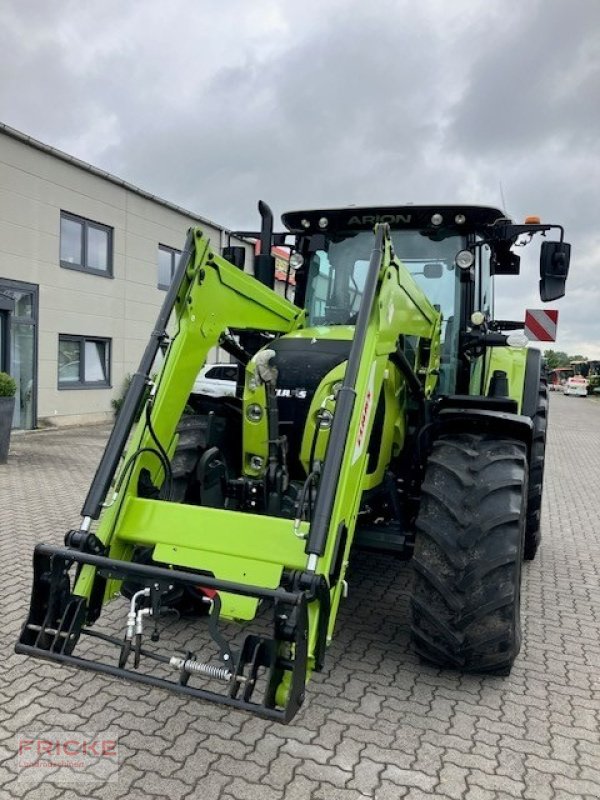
(468, 553)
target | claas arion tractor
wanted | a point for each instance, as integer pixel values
(383, 408)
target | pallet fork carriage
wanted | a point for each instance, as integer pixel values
(350, 399)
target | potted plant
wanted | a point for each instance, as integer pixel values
(8, 387)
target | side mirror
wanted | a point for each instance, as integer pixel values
(554, 269)
(433, 270)
(235, 256)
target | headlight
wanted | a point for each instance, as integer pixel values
(464, 259)
(296, 260)
(517, 339)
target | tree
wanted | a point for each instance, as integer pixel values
(556, 358)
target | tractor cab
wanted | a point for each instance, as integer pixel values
(452, 252)
(437, 245)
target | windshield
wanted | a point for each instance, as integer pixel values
(337, 273)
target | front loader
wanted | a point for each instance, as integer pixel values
(383, 409)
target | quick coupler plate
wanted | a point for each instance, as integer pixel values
(272, 667)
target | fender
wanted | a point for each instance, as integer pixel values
(501, 423)
(533, 372)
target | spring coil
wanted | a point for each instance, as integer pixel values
(201, 668)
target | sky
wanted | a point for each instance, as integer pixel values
(213, 104)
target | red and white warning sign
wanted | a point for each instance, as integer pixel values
(540, 324)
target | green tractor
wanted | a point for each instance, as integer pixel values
(383, 409)
(590, 370)
(593, 377)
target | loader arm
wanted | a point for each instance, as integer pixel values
(392, 305)
(244, 561)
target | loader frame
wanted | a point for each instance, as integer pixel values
(298, 567)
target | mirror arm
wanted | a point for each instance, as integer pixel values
(512, 232)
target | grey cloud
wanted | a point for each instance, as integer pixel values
(213, 105)
(538, 82)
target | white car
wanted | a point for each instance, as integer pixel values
(577, 386)
(217, 380)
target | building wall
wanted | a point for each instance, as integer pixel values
(34, 187)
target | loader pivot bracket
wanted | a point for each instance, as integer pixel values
(85, 541)
(316, 589)
(256, 652)
(55, 616)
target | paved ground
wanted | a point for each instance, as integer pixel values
(376, 724)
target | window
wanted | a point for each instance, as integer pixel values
(484, 285)
(223, 373)
(337, 273)
(85, 245)
(167, 262)
(83, 362)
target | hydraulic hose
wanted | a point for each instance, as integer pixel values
(127, 415)
(414, 385)
(162, 451)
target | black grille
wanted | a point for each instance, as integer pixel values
(302, 366)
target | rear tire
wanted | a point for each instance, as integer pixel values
(537, 458)
(465, 606)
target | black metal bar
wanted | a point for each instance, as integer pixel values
(277, 237)
(231, 347)
(278, 715)
(507, 325)
(509, 231)
(264, 262)
(149, 572)
(123, 424)
(328, 483)
(414, 384)
(105, 637)
(266, 228)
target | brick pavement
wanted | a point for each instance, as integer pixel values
(376, 723)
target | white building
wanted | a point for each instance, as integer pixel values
(84, 262)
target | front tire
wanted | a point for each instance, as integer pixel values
(465, 606)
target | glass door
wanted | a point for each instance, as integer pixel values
(3, 341)
(18, 346)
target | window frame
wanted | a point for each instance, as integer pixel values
(86, 224)
(207, 375)
(175, 254)
(83, 384)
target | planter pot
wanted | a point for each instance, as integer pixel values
(7, 409)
